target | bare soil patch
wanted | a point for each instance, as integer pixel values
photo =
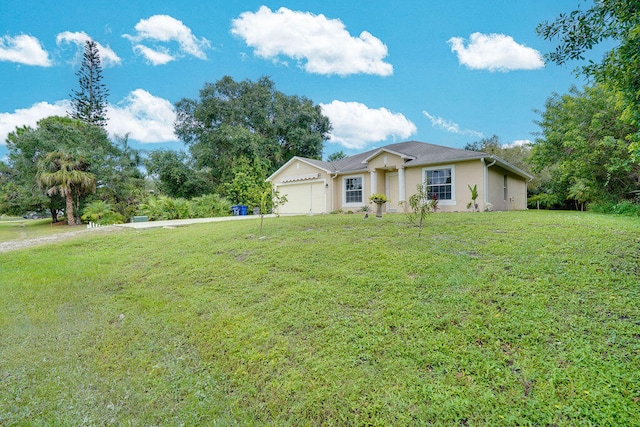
(52, 238)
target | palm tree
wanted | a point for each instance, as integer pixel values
(65, 174)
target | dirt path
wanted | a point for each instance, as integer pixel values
(51, 238)
(26, 243)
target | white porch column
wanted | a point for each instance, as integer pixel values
(401, 190)
(374, 182)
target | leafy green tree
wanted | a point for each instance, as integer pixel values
(177, 175)
(581, 30)
(248, 183)
(487, 145)
(336, 156)
(616, 21)
(27, 146)
(581, 191)
(66, 175)
(10, 194)
(119, 180)
(122, 184)
(250, 120)
(584, 145)
(89, 103)
(116, 179)
(517, 155)
(546, 200)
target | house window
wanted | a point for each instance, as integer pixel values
(353, 190)
(440, 182)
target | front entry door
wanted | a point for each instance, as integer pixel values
(393, 191)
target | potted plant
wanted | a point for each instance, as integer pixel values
(379, 200)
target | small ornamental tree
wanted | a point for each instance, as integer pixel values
(421, 204)
(270, 199)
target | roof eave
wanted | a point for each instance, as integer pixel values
(301, 159)
(508, 166)
(396, 153)
(446, 161)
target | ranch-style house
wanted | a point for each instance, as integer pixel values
(316, 187)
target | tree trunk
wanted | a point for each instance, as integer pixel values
(54, 215)
(70, 219)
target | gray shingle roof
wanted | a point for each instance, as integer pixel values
(417, 154)
(321, 164)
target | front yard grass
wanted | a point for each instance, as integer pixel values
(14, 228)
(505, 318)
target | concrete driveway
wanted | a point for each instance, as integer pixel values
(179, 222)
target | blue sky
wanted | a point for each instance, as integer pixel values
(445, 72)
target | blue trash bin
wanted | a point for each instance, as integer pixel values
(235, 210)
(243, 209)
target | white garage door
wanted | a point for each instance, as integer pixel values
(303, 198)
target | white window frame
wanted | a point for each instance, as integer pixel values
(442, 202)
(344, 191)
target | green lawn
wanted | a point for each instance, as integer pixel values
(12, 228)
(523, 318)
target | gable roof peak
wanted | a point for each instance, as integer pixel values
(319, 164)
(386, 149)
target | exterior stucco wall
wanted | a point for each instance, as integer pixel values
(298, 168)
(412, 177)
(385, 160)
(516, 190)
(464, 173)
(339, 193)
(468, 173)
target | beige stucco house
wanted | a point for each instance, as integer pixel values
(315, 186)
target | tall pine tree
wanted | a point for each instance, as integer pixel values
(90, 102)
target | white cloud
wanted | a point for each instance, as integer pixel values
(449, 126)
(519, 143)
(146, 118)
(30, 116)
(355, 125)
(495, 52)
(321, 45)
(164, 28)
(155, 57)
(108, 57)
(23, 49)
